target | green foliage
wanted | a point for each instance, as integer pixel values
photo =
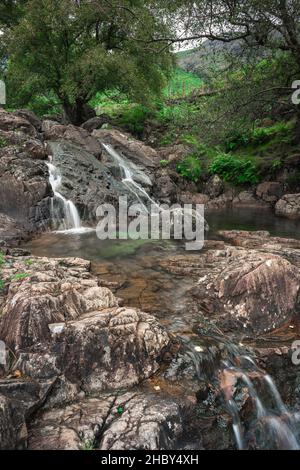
(76, 49)
(134, 119)
(2, 259)
(190, 168)
(164, 163)
(88, 445)
(3, 142)
(2, 285)
(235, 170)
(19, 277)
(182, 83)
(257, 136)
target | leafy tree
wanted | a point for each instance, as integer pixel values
(78, 48)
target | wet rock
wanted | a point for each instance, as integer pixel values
(24, 188)
(221, 202)
(269, 191)
(77, 135)
(289, 206)
(133, 149)
(247, 199)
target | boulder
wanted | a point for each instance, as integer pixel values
(133, 149)
(248, 290)
(214, 187)
(11, 231)
(289, 206)
(96, 123)
(269, 191)
(65, 320)
(80, 137)
(12, 122)
(30, 117)
(248, 199)
(193, 198)
(129, 421)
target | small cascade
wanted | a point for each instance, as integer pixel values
(128, 178)
(67, 215)
(276, 425)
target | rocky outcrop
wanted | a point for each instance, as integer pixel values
(250, 291)
(113, 422)
(24, 188)
(57, 317)
(269, 191)
(13, 431)
(78, 136)
(134, 150)
(289, 206)
(14, 122)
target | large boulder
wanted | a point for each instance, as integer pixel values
(96, 123)
(80, 137)
(65, 320)
(289, 206)
(269, 191)
(251, 291)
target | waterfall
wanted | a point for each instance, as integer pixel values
(128, 178)
(277, 423)
(70, 219)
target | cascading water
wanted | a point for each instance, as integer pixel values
(277, 424)
(128, 179)
(70, 219)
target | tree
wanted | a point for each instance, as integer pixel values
(77, 48)
(269, 28)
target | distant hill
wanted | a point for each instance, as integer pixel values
(214, 56)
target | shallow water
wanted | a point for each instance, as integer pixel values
(133, 271)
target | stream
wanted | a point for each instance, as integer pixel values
(133, 270)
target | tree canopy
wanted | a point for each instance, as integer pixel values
(77, 48)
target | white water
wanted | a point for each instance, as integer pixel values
(138, 191)
(70, 221)
(128, 177)
(278, 422)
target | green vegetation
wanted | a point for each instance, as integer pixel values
(3, 142)
(19, 277)
(69, 51)
(2, 261)
(190, 168)
(235, 170)
(164, 162)
(182, 83)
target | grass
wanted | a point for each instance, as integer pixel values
(182, 83)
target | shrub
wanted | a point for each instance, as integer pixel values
(190, 168)
(164, 163)
(235, 170)
(134, 119)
